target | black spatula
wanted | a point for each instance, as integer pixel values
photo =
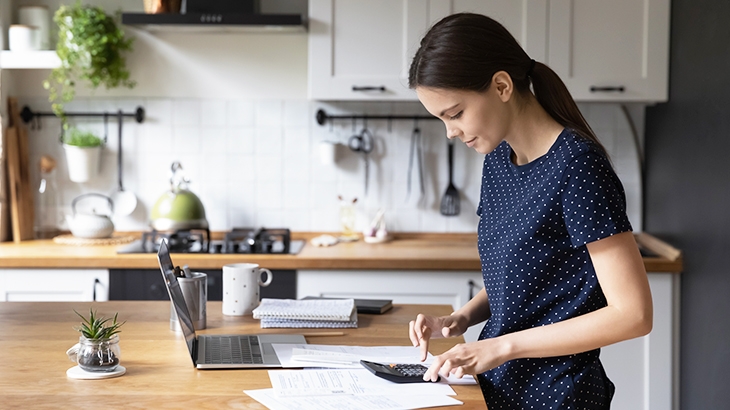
(450, 205)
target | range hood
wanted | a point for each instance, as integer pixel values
(216, 22)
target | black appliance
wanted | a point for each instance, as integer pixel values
(223, 14)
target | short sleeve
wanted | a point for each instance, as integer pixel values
(593, 200)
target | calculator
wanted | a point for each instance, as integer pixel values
(398, 373)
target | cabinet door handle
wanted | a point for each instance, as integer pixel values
(93, 293)
(368, 88)
(609, 89)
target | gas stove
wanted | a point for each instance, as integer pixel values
(238, 240)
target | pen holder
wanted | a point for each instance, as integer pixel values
(195, 293)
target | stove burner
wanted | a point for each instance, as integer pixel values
(180, 241)
(249, 240)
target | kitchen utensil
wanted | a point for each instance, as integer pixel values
(363, 144)
(415, 150)
(91, 225)
(450, 205)
(178, 208)
(125, 202)
(19, 182)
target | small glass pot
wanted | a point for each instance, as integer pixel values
(98, 355)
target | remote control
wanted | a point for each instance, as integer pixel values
(398, 373)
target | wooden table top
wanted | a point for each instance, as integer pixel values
(34, 337)
(421, 251)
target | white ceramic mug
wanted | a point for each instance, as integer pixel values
(241, 282)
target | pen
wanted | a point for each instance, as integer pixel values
(323, 334)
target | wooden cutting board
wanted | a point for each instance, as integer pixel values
(19, 182)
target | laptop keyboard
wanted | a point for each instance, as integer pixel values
(232, 350)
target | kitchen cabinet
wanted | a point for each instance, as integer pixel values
(645, 370)
(610, 50)
(54, 285)
(360, 50)
(603, 51)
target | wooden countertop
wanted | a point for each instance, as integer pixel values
(406, 251)
(34, 338)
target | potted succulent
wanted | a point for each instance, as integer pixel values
(90, 47)
(83, 154)
(98, 347)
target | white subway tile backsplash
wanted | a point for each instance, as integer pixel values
(186, 112)
(269, 113)
(241, 113)
(257, 162)
(213, 113)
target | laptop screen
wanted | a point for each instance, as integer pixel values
(176, 296)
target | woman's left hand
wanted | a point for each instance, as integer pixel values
(467, 358)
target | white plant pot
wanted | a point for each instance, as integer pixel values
(83, 162)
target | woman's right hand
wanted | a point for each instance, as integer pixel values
(425, 327)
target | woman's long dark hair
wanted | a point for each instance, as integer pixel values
(464, 50)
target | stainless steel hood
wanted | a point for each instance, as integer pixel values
(217, 22)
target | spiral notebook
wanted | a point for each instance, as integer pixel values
(290, 313)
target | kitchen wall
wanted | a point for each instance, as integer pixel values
(233, 109)
(257, 162)
(688, 192)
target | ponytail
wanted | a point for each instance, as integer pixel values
(464, 50)
(555, 99)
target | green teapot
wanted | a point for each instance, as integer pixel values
(178, 208)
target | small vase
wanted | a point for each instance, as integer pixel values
(98, 355)
(83, 162)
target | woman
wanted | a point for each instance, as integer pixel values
(562, 273)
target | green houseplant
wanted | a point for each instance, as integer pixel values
(83, 154)
(91, 48)
(98, 347)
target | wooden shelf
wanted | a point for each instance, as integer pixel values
(29, 59)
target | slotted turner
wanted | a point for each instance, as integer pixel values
(450, 205)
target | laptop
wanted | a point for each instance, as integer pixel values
(219, 351)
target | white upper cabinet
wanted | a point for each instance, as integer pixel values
(614, 50)
(360, 50)
(525, 19)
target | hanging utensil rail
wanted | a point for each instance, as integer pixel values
(26, 114)
(322, 117)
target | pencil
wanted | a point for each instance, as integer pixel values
(323, 334)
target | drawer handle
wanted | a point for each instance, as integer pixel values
(368, 88)
(619, 89)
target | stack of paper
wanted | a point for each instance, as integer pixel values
(345, 384)
(289, 313)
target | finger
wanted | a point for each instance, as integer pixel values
(424, 343)
(447, 367)
(412, 333)
(432, 374)
(458, 372)
(446, 331)
(418, 326)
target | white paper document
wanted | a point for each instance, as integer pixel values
(331, 353)
(268, 398)
(315, 382)
(348, 357)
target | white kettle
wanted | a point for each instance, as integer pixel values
(91, 225)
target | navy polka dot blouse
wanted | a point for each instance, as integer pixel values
(535, 222)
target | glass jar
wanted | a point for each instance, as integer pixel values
(48, 208)
(100, 355)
